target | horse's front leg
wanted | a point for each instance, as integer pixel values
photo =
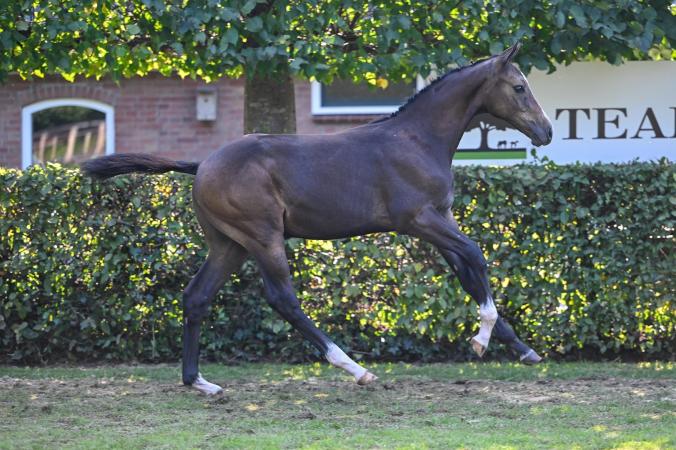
(467, 261)
(223, 259)
(501, 329)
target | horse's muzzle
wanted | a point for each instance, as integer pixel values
(542, 135)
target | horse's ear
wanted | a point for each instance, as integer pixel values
(508, 55)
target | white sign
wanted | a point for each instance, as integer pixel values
(600, 112)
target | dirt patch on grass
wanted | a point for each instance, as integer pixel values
(312, 399)
(584, 390)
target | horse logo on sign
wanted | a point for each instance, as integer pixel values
(504, 149)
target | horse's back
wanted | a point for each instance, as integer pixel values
(319, 185)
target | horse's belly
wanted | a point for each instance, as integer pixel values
(332, 232)
(327, 221)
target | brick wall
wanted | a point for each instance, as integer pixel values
(153, 114)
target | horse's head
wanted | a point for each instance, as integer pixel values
(510, 98)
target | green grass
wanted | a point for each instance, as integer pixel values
(492, 154)
(581, 405)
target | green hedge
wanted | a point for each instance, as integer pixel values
(581, 261)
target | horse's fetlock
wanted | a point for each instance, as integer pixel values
(488, 312)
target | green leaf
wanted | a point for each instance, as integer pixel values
(296, 63)
(254, 24)
(405, 22)
(555, 45)
(541, 63)
(496, 47)
(120, 51)
(248, 7)
(578, 14)
(229, 14)
(133, 29)
(178, 47)
(231, 36)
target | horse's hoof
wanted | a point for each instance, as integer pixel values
(530, 357)
(205, 387)
(367, 378)
(478, 347)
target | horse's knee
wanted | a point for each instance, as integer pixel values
(195, 306)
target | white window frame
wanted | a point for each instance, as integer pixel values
(27, 123)
(319, 110)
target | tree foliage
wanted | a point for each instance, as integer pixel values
(388, 39)
(581, 262)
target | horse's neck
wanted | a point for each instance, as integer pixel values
(441, 114)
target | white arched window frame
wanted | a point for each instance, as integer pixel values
(27, 123)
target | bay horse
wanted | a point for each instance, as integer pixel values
(392, 174)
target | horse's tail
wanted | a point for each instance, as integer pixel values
(112, 165)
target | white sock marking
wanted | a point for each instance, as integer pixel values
(205, 387)
(489, 315)
(526, 355)
(338, 358)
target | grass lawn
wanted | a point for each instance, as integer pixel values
(491, 405)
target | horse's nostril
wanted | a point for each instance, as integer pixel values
(550, 133)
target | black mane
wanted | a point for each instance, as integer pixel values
(437, 80)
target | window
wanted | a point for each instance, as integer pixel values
(67, 131)
(344, 97)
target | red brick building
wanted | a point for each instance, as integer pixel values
(153, 114)
(600, 112)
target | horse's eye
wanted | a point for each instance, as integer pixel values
(518, 88)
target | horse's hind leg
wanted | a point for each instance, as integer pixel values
(279, 291)
(225, 256)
